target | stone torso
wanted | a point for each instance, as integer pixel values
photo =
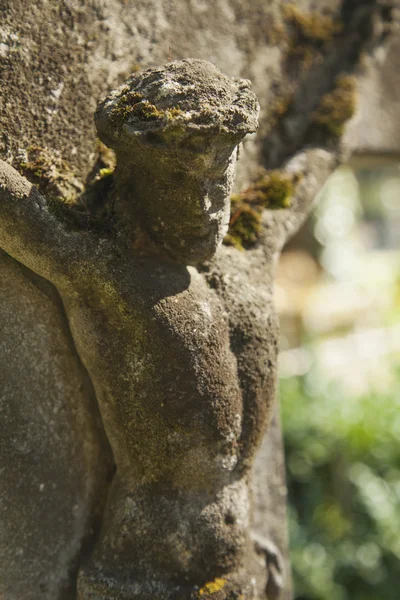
(182, 370)
(194, 363)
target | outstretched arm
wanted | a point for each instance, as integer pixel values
(31, 233)
(314, 105)
(312, 167)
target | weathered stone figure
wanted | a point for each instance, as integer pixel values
(183, 370)
(149, 349)
(182, 364)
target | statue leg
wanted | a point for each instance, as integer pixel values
(160, 543)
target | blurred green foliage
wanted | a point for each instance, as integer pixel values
(343, 469)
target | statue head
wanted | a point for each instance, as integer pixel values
(175, 130)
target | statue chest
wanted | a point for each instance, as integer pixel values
(156, 344)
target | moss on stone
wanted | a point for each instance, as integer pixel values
(173, 112)
(76, 218)
(50, 173)
(244, 226)
(97, 200)
(313, 26)
(145, 111)
(125, 105)
(274, 191)
(66, 197)
(309, 32)
(133, 104)
(337, 107)
(105, 156)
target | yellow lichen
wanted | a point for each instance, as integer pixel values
(313, 26)
(212, 587)
(274, 190)
(337, 107)
(105, 156)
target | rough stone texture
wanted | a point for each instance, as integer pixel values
(187, 118)
(53, 453)
(183, 432)
(57, 58)
(85, 48)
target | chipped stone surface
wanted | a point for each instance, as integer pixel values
(57, 59)
(181, 100)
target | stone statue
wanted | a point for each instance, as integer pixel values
(182, 359)
(137, 353)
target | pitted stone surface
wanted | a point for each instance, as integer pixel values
(54, 460)
(85, 49)
(189, 97)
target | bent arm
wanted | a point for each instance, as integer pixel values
(30, 232)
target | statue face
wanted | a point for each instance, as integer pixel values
(187, 211)
(192, 230)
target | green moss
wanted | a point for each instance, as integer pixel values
(313, 26)
(244, 226)
(66, 197)
(274, 191)
(51, 175)
(337, 107)
(308, 34)
(125, 105)
(145, 111)
(132, 104)
(173, 112)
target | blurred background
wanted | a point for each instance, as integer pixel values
(338, 296)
